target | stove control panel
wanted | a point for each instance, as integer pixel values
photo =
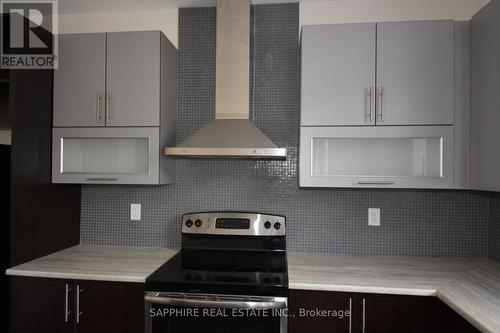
(232, 223)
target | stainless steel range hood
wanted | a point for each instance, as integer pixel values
(231, 134)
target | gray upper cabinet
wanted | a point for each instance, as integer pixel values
(79, 82)
(108, 79)
(485, 103)
(397, 73)
(133, 79)
(338, 74)
(378, 105)
(415, 73)
(115, 109)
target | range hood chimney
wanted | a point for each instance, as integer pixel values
(231, 134)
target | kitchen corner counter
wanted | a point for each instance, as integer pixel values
(470, 286)
(100, 263)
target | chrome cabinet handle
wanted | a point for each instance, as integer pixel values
(108, 107)
(66, 303)
(376, 183)
(98, 114)
(381, 95)
(78, 312)
(363, 323)
(350, 314)
(370, 96)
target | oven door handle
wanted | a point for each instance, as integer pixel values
(277, 303)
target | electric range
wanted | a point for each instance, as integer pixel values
(230, 276)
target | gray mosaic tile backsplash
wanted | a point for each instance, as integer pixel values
(414, 222)
(494, 228)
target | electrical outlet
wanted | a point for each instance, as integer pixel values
(374, 217)
(135, 212)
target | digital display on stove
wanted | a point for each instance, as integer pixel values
(232, 223)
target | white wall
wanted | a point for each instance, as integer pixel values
(164, 20)
(311, 12)
(351, 11)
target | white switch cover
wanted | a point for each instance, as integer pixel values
(135, 212)
(374, 217)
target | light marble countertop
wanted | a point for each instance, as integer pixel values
(100, 263)
(419, 276)
(470, 286)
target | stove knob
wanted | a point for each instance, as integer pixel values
(267, 280)
(277, 226)
(267, 224)
(198, 223)
(277, 280)
(189, 223)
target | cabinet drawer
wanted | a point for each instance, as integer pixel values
(105, 155)
(397, 157)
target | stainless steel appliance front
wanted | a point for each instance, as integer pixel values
(230, 276)
(175, 312)
(257, 224)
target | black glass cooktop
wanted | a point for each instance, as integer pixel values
(223, 272)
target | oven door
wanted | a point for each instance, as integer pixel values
(179, 313)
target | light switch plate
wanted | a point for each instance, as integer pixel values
(374, 217)
(135, 212)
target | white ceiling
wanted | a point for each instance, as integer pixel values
(92, 6)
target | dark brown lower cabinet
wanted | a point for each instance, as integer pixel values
(389, 313)
(111, 307)
(311, 311)
(38, 305)
(323, 311)
(74, 306)
(441, 318)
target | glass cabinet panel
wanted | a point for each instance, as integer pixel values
(377, 156)
(120, 155)
(105, 155)
(393, 157)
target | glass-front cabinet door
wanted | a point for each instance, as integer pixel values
(396, 156)
(106, 155)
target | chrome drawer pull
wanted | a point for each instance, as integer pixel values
(376, 183)
(106, 179)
